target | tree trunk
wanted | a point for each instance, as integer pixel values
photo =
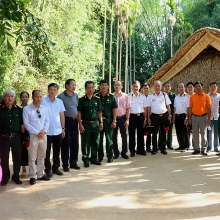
(117, 50)
(104, 39)
(110, 52)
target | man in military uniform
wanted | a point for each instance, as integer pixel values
(171, 95)
(11, 125)
(90, 124)
(109, 106)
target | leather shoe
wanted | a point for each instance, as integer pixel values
(143, 153)
(204, 152)
(17, 181)
(115, 156)
(179, 148)
(164, 152)
(32, 181)
(218, 154)
(132, 154)
(96, 162)
(110, 160)
(125, 156)
(45, 178)
(4, 182)
(100, 159)
(195, 152)
(49, 173)
(75, 166)
(66, 169)
(153, 152)
(170, 147)
(148, 150)
(58, 172)
(86, 164)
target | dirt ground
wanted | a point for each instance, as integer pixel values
(177, 186)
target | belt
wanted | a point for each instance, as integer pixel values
(159, 114)
(180, 114)
(90, 122)
(123, 116)
(71, 117)
(106, 117)
(9, 135)
(200, 115)
(139, 114)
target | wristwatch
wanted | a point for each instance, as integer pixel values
(114, 121)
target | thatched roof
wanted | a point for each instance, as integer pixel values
(193, 46)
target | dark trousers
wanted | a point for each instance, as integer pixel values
(55, 142)
(70, 143)
(136, 122)
(120, 125)
(158, 121)
(16, 149)
(148, 141)
(169, 137)
(181, 131)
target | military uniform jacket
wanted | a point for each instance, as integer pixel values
(89, 108)
(108, 103)
(10, 119)
(172, 96)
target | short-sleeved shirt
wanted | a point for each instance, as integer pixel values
(138, 103)
(10, 119)
(158, 103)
(215, 106)
(89, 108)
(181, 103)
(200, 103)
(123, 102)
(108, 103)
(54, 109)
(70, 103)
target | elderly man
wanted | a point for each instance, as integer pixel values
(159, 114)
(199, 117)
(36, 122)
(11, 125)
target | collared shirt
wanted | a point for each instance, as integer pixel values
(54, 109)
(123, 102)
(181, 103)
(32, 122)
(215, 106)
(70, 103)
(138, 103)
(158, 103)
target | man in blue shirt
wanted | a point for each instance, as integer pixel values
(56, 129)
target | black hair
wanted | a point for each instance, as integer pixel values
(89, 82)
(198, 82)
(23, 93)
(68, 82)
(34, 91)
(213, 83)
(167, 82)
(145, 84)
(103, 81)
(53, 85)
(190, 83)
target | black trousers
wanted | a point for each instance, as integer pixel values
(158, 122)
(70, 143)
(120, 125)
(53, 141)
(136, 122)
(181, 131)
(148, 141)
(16, 149)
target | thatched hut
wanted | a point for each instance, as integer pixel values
(197, 59)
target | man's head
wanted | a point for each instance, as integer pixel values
(70, 85)
(136, 86)
(145, 89)
(9, 97)
(89, 87)
(198, 87)
(181, 88)
(52, 89)
(213, 87)
(103, 86)
(37, 97)
(190, 87)
(118, 86)
(167, 87)
(157, 86)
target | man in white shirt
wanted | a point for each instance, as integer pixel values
(180, 118)
(215, 98)
(159, 114)
(138, 105)
(56, 129)
(36, 122)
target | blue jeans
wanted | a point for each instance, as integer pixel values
(214, 124)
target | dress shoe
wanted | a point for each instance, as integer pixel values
(204, 152)
(208, 151)
(75, 166)
(59, 173)
(184, 150)
(49, 173)
(164, 152)
(86, 164)
(4, 182)
(218, 154)
(115, 156)
(125, 156)
(66, 169)
(216, 150)
(132, 154)
(17, 181)
(149, 150)
(110, 160)
(32, 181)
(143, 153)
(96, 162)
(153, 152)
(44, 177)
(179, 148)
(195, 152)
(100, 159)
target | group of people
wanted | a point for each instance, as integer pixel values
(55, 121)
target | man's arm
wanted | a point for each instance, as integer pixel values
(209, 115)
(81, 127)
(100, 120)
(62, 120)
(127, 117)
(148, 114)
(114, 117)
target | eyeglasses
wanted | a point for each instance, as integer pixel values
(39, 115)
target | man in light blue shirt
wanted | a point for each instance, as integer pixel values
(36, 122)
(56, 129)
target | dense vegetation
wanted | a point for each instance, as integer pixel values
(51, 40)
